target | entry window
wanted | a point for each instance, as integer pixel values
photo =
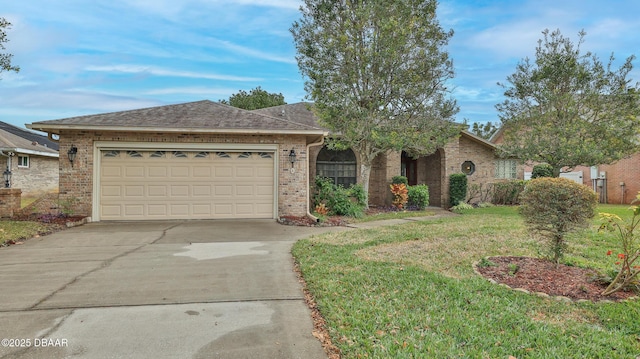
(468, 167)
(340, 166)
(506, 169)
(23, 161)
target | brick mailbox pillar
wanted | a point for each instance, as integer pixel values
(9, 201)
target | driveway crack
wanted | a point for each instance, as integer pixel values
(102, 265)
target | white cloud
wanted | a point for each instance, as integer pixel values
(156, 71)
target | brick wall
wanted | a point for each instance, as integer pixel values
(625, 171)
(9, 201)
(40, 177)
(76, 183)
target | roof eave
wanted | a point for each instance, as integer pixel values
(30, 152)
(55, 129)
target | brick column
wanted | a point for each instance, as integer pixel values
(9, 201)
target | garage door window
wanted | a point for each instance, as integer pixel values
(158, 154)
(223, 155)
(111, 154)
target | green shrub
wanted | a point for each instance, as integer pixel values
(400, 180)
(461, 208)
(542, 170)
(457, 188)
(419, 196)
(552, 207)
(337, 199)
(508, 193)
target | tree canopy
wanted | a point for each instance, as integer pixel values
(5, 59)
(566, 108)
(485, 130)
(255, 99)
(377, 73)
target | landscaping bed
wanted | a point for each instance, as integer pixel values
(538, 275)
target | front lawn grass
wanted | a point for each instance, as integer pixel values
(391, 215)
(19, 230)
(409, 291)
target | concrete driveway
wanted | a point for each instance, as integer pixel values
(179, 289)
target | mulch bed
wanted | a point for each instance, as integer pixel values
(540, 275)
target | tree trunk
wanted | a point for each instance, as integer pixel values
(365, 175)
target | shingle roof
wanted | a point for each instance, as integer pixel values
(297, 112)
(28, 135)
(14, 138)
(200, 116)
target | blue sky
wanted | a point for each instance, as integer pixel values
(82, 57)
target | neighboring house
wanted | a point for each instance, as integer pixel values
(616, 183)
(31, 158)
(208, 160)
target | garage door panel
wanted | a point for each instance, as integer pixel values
(157, 190)
(112, 211)
(201, 191)
(223, 190)
(178, 210)
(179, 172)
(159, 210)
(201, 210)
(161, 172)
(134, 191)
(179, 191)
(189, 184)
(111, 191)
(202, 172)
(244, 190)
(112, 171)
(135, 210)
(134, 172)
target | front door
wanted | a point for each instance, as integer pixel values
(409, 169)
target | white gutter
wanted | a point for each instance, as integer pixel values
(32, 152)
(313, 144)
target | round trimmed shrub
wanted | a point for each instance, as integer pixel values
(542, 170)
(419, 196)
(553, 207)
(400, 180)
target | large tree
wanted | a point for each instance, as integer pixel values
(377, 72)
(255, 99)
(5, 59)
(567, 108)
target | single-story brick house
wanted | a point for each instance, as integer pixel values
(208, 160)
(31, 158)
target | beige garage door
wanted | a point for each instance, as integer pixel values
(144, 184)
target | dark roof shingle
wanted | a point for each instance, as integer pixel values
(200, 115)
